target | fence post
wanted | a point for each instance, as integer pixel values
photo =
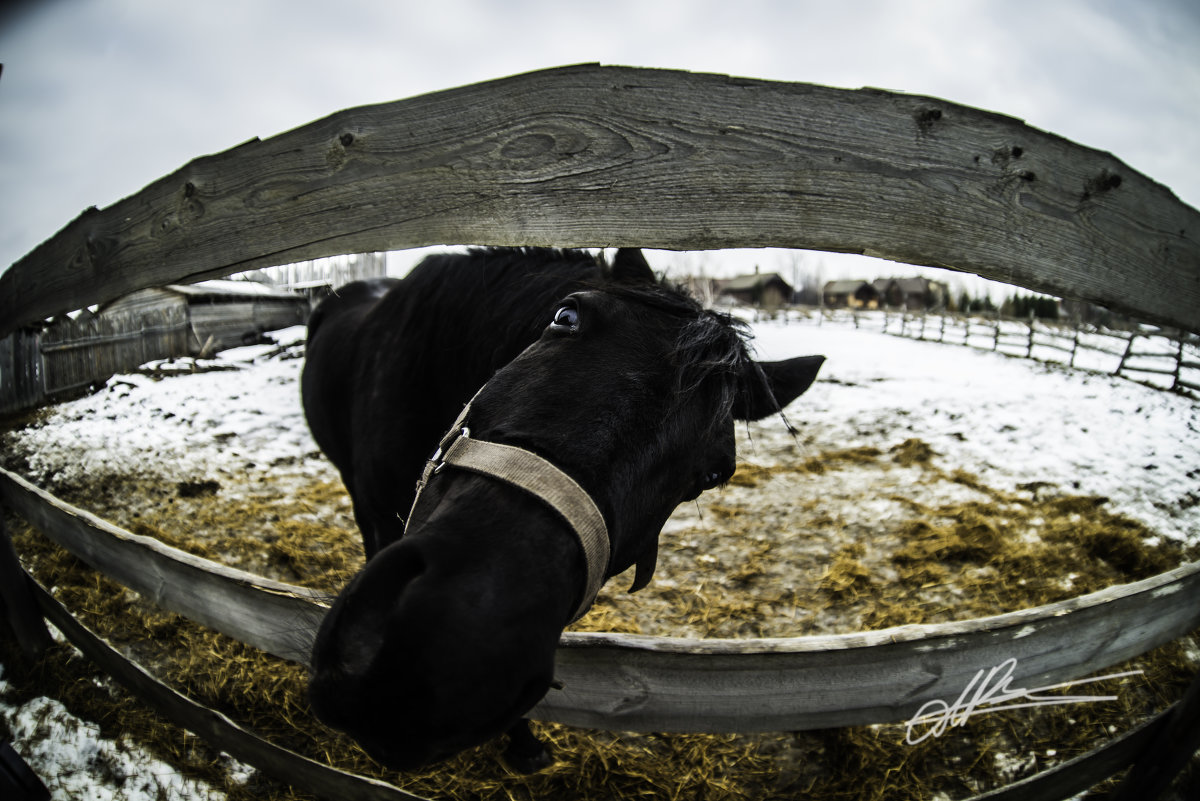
(1029, 348)
(1167, 753)
(1074, 345)
(1128, 350)
(996, 334)
(1175, 386)
(17, 601)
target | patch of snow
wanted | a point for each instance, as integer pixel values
(1009, 420)
(74, 761)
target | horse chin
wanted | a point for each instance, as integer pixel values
(401, 732)
(414, 673)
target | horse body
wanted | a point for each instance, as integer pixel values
(391, 364)
(447, 636)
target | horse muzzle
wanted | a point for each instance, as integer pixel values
(415, 671)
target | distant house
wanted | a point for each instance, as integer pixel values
(764, 290)
(220, 314)
(912, 293)
(850, 294)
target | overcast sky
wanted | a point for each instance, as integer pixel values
(100, 97)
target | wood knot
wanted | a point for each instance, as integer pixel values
(1001, 156)
(346, 139)
(1104, 182)
(530, 145)
(926, 117)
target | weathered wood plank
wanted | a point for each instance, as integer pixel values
(629, 682)
(605, 156)
(1166, 755)
(275, 617)
(635, 683)
(214, 727)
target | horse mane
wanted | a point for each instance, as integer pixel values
(711, 347)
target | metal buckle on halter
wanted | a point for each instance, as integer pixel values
(439, 456)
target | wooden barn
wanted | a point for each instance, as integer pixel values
(220, 314)
(764, 290)
(850, 295)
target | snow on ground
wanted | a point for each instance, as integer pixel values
(75, 762)
(1009, 420)
(183, 427)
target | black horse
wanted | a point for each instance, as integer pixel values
(446, 638)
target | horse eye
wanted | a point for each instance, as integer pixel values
(566, 317)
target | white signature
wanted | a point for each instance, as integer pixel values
(994, 693)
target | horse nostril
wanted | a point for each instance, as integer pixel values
(358, 653)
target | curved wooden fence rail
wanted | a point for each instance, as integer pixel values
(630, 682)
(610, 156)
(591, 155)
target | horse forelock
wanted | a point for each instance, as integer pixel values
(710, 349)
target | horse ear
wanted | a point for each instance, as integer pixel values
(780, 384)
(630, 267)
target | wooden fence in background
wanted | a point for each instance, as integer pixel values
(43, 363)
(1167, 358)
(91, 349)
(580, 156)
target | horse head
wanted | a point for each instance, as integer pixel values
(446, 638)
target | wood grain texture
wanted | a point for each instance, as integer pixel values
(627, 682)
(278, 618)
(635, 683)
(607, 156)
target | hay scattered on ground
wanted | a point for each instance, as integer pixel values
(783, 551)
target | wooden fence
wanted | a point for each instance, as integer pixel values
(1163, 357)
(91, 349)
(71, 354)
(45, 362)
(629, 682)
(597, 156)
